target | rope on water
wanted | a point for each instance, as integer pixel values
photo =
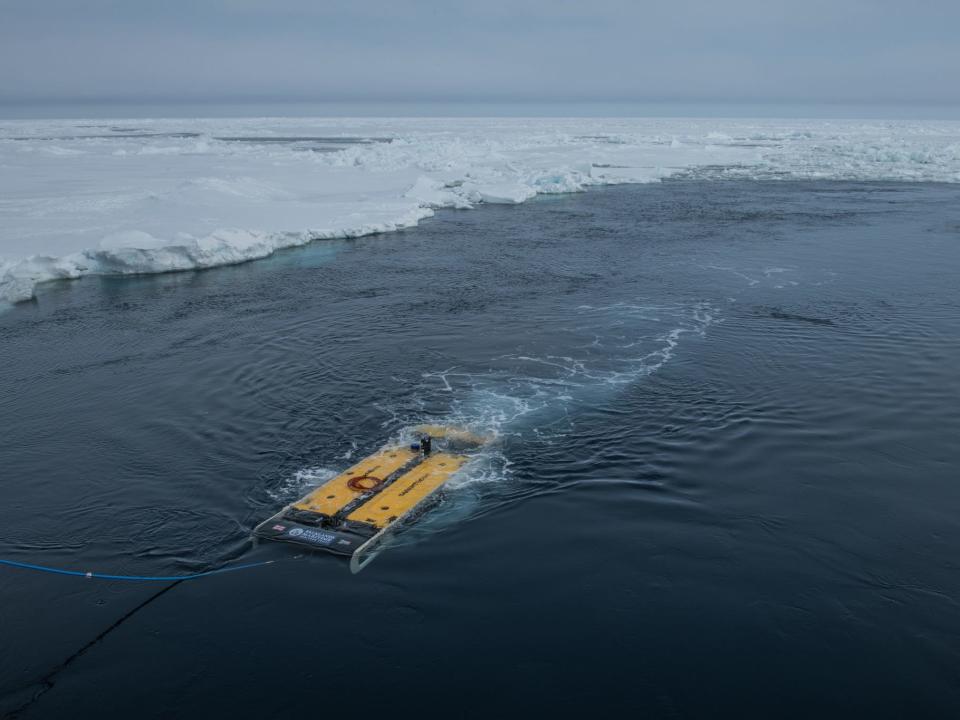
(132, 578)
(47, 682)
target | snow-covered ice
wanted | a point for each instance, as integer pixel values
(138, 196)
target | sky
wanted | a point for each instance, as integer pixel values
(530, 51)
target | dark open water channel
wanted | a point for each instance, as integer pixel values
(726, 484)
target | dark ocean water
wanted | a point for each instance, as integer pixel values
(726, 482)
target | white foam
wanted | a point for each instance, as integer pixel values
(77, 201)
(522, 388)
(300, 482)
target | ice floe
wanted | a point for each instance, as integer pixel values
(144, 196)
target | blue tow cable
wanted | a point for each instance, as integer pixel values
(132, 578)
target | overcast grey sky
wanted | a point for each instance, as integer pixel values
(847, 51)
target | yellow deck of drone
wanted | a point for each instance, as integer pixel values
(408, 490)
(336, 494)
(391, 487)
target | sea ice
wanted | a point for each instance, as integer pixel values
(141, 196)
